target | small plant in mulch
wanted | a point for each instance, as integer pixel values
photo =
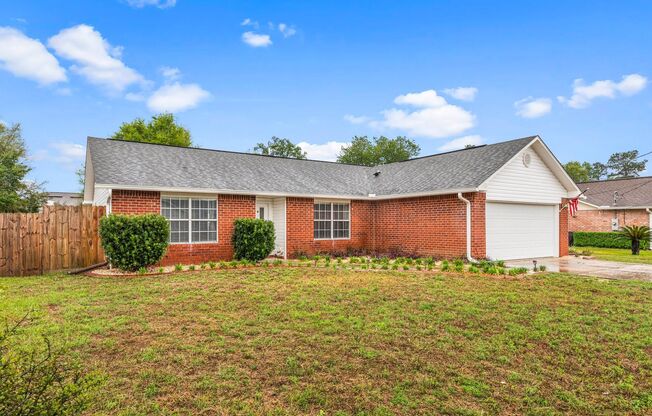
(445, 266)
(517, 271)
(160, 270)
(212, 264)
(142, 270)
(191, 267)
(178, 267)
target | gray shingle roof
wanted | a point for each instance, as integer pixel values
(133, 164)
(633, 192)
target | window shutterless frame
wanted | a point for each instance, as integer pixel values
(192, 219)
(331, 220)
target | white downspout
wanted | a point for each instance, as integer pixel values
(649, 212)
(468, 227)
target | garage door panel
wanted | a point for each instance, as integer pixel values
(520, 230)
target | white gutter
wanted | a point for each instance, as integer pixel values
(649, 212)
(371, 197)
(468, 227)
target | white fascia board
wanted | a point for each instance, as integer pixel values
(281, 194)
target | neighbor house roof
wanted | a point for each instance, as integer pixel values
(630, 193)
(133, 165)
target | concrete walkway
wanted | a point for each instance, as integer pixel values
(590, 267)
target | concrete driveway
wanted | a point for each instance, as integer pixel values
(590, 267)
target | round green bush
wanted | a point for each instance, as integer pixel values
(134, 241)
(253, 239)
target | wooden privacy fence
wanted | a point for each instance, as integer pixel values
(60, 237)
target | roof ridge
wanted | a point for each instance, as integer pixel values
(616, 179)
(225, 151)
(315, 160)
(462, 150)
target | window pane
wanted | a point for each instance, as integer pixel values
(340, 229)
(322, 229)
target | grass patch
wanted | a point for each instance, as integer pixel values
(312, 340)
(618, 254)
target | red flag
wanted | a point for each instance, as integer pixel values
(572, 206)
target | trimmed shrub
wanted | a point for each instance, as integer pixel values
(134, 241)
(253, 239)
(604, 239)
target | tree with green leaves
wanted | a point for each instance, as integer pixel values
(619, 165)
(17, 194)
(579, 172)
(625, 165)
(277, 146)
(378, 150)
(161, 129)
(598, 171)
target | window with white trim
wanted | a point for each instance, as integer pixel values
(332, 220)
(192, 220)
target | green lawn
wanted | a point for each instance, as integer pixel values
(618, 254)
(287, 341)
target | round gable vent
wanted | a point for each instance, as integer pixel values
(527, 159)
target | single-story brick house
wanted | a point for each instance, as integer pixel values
(612, 204)
(501, 201)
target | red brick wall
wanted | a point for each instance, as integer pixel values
(135, 202)
(563, 228)
(431, 226)
(600, 220)
(229, 208)
(300, 232)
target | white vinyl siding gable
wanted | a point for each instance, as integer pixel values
(534, 183)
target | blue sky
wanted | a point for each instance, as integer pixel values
(235, 73)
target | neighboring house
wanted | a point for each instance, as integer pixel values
(612, 204)
(502, 201)
(64, 198)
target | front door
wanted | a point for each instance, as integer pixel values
(264, 210)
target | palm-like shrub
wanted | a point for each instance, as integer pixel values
(636, 234)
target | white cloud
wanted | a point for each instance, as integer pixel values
(435, 117)
(462, 93)
(583, 94)
(170, 73)
(428, 98)
(177, 97)
(95, 58)
(161, 4)
(327, 151)
(28, 58)
(68, 152)
(356, 119)
(286, 30)
(533, 107)
(461, 143)
(70, 155)
(249, 22)
(256, 40)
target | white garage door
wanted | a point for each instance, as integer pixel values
(519, 231)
